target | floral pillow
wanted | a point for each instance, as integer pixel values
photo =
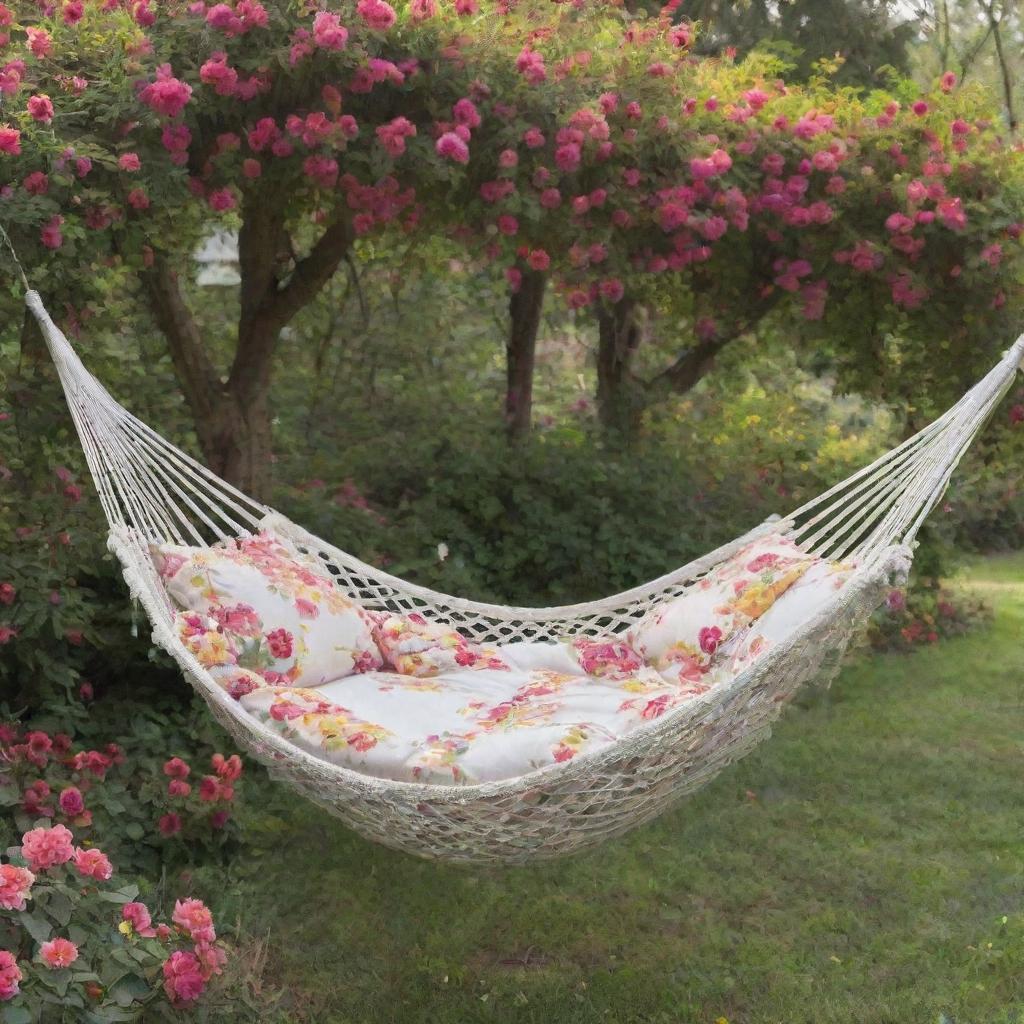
(412, 646)
(810, 593)
(258, 606)
(237, 681)
(684, 633)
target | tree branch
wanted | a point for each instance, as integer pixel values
(311, 273)
(995, 24)
(196, 372)
(267, 308)
(260, 240)
(695, 363)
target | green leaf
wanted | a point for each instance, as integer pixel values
(59, 980)
(133, 830)
(59, 907)
(36, 926)
(15, 1015)
(129, 989)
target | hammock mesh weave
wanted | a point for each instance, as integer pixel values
(152, 492)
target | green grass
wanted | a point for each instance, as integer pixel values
(855, 868)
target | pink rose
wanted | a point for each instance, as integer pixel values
(10, 140)
(452, 147)
(193, 917)
(183, 978)
(39, 42)
(175, 768)
(129, 162)
(41, 108)
(93, 863)
(137, 915)
(71, 802)
(328, 32)
(377, 14)
(169, 825)
(15, 884)
(167, 95)
(222, 199)
(47, 847)
(227, 768)
(58, 953)
(209, 789)
(52, 238)
(36, 184)
(10, 975)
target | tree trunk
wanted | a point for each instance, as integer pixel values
(995, 24)
(232, 414)
(524, 309)
(620, 398)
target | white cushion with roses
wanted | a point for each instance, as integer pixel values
(257, 605)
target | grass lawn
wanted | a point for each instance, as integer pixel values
(866, 864)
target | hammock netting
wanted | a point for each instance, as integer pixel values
(152, 492)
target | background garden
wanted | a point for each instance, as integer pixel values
(530, 302)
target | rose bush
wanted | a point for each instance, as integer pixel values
(73, 939)
(924, 615)
(150, 811)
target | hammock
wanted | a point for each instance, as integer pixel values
(152, 492)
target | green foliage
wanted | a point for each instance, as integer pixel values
(114, 752)
(412, 457)
(863, 37)
(984, 507)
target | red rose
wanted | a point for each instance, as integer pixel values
(709, 638)
(280, 643)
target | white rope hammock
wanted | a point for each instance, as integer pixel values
(152, 492)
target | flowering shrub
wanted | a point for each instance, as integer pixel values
(150, 812)
(924, 615)
(71, 938)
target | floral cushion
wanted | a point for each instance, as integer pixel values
(465, 726)
(256, 604)
(682, 635)
(811, 592)
(413, 646)
(237, 681)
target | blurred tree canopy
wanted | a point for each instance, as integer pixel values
(869, 37)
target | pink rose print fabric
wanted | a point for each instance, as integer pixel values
(413, 646)
(255, 604)
(464, 727)
(808, 596)
(402, 697)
